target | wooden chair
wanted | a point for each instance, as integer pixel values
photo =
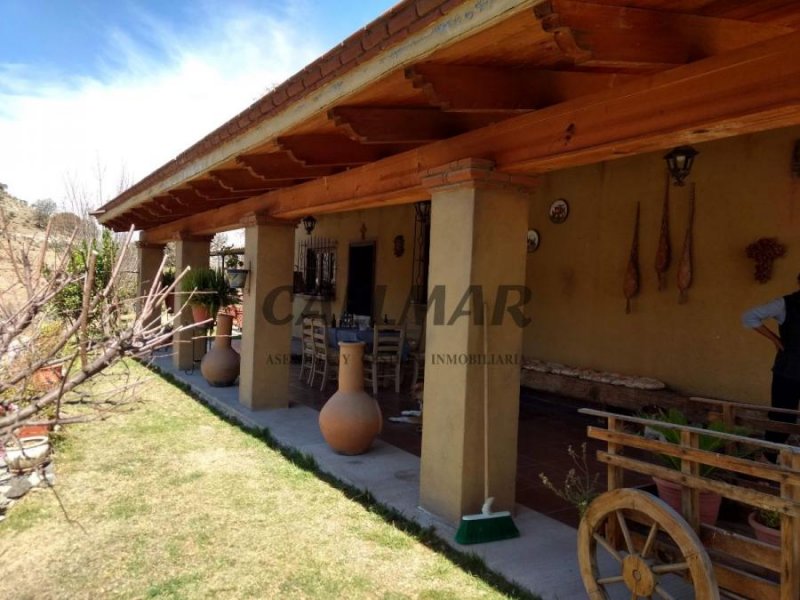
(386, 359)
(417, 357)
(326, 359)
(307, 341)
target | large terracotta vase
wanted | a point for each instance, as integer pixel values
(671, 494)
(220, 366)
(351, 418)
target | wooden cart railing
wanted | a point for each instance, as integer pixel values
(743, 567)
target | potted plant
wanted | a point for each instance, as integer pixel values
(580, 485)
(209, 292)
(167, 279)
(237, 276)
(767, 526)
(670, 492)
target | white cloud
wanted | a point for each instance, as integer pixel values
(146, 105)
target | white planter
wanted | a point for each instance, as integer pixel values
(29, 453)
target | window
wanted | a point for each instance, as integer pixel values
(315, 268)
(422, 246)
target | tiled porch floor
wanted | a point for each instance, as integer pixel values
(548, 425)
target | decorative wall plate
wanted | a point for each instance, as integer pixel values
(559, 211)
(533, 240)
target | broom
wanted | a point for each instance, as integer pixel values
(487, 526)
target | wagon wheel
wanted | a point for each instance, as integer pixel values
(638, 565)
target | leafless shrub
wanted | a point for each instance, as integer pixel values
(35, 342)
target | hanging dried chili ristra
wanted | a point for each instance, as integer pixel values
(685, 265)
(630, 287)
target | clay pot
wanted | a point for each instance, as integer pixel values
(32, 431)
(671, 494)
(200, 313)
(763, 533)
(220, 366)
(351, 418)
(29, 453)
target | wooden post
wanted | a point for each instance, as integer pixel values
(790, 533)
(729, 420)
(690, 497)
(615, 476)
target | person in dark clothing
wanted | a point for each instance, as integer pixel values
(785, 391)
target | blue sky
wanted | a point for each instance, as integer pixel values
(106, 91)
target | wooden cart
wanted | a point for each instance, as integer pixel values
(631, 544)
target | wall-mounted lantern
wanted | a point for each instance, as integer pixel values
(679, 162)
(309, 223)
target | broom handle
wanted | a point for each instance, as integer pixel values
(485, 401)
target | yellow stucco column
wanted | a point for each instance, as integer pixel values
(190, 251)
(267, 319)
(478, 250)
(149, 257)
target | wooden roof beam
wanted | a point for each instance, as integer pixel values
(600, 36)
(280, 166)
(420, 125)
(479, 89)
(212, 189)
(330, 150)
(241, 180)
(379, 125)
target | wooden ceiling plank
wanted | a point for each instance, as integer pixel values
(752, 89)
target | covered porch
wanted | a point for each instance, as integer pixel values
(495, 113)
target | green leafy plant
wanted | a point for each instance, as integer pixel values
(708, 443)
(580, 486)
(208, 288)
(167, 277)
(69, 300)
(769, 518)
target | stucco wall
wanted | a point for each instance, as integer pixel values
(745, 190)
(382, 225)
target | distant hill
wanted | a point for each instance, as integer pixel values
(17, 211)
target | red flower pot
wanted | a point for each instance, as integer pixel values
(671, 494)
(27, 431)
(200, 313)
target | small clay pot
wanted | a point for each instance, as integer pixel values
(351, 418)
(220, 366)
(200, 313)
(764, 533)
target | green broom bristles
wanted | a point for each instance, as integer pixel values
(481, 528)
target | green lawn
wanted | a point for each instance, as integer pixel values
(174, 502)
